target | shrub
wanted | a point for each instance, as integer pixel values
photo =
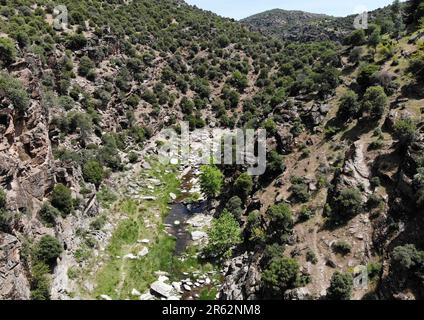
(62, 199)
(234, 205)
(223, 235)
(132, 157)
(2, 199)
(357, 38)
(416, 67)
(405, 257)
(311, 257)
(349, 202)
(366, 76)
(300, 192)
(93, 172)
(40, 283)
(48, 214)
(281, 221)
(211, 179)
(341, 286)
(280, 275)
(243, 185)
(85, 66)
(375, 102)
(14, 92)
(404, 130)
(7, 51)
(342, 247)
(348, 106)
(275, 163)
(47, 250)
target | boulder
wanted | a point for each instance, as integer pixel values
(162, 289)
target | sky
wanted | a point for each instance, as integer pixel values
(239, 9)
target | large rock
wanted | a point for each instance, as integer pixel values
(163, 289)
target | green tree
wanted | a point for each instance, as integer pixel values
(375, 102)
(47, 250)
(93, 172)
(366, 75)
(280, 221)
(357, 38)
(62, 199)
(280, 275)
(211, 180)
(349, 202)
(348, 105)
(7, 51)
(48, 214)
(234, 205)
(405, 130)
(243, 185)
(223, 235)
(341, 286)
(40, 283)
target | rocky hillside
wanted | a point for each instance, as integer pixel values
(304, 26)
(299, 25)
(88, 212)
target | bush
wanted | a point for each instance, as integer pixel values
(405, 257)
(342, 247)
(349, 202)
(281, 221)
(300, 192)
(62, 199)
(211, 179)
(280, 275)
(275, 163)
(243, 185)
(14, 92)
(47, 250)
(366, 76)
(85, 66)
(341, 286)
(2, 199)
(348, 105)
(132, 157)
(404, 130)
(48, 214)
(357, 38)
(93, 172)
(234, 205)
(375, 102)
(416, 67)
(7, 51)
(223, 235)
(40, 283)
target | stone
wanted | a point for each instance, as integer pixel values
(177, 222)
(186, 287)
(173, 196)
(130, 256)
(297, 294)
(145, 241)
(198, 235)
(143, 252)
(146, 296)
(163, 289)
(163, 278)
(105, 297)
(135, 292)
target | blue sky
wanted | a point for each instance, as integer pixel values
(239, 9)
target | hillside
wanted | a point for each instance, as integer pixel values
(88, 210)
(304, 26)
(300, 26)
